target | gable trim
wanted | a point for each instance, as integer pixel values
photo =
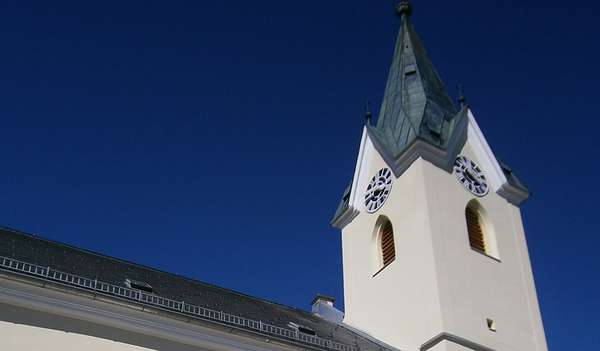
(498, 180)
(454, 339)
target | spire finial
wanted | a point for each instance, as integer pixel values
(461, 98)
(368, 114)
(403, 8)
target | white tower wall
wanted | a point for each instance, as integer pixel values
(437, 283)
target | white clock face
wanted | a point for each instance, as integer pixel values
(378, 190)
(471, 177)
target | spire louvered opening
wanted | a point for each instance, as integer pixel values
(388, 251)
(476, 235)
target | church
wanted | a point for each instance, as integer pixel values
(434, 255)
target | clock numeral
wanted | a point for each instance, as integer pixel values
(470, 175)
(378, 189)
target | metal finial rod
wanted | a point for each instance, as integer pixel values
(461, 97)
(368, 114)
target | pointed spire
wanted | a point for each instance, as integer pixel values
(416, 103)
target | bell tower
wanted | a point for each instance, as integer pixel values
(434, 251)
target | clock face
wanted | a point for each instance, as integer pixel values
(378, 190)
(470, 176)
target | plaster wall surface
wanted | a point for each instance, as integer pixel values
(17, 337)
(398, 304)
(477, 288)
(437, 282)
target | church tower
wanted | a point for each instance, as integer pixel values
(434, 250)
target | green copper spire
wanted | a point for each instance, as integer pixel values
(416, 103)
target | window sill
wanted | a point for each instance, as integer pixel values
(382, 268)
(486, 254)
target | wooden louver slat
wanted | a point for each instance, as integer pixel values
(388, 250)
(476, 237)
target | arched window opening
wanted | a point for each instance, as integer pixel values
(388, 251)
(476, 235)
(383, 247)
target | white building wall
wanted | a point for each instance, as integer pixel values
(19, 337)
(37, 318)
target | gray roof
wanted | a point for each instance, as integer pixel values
(344, 203)
(49, 256)
(512, 177)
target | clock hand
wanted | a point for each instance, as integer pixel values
(381, 187)
(472, 175)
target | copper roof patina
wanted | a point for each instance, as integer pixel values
(415, 103)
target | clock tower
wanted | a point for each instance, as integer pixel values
(435, 256)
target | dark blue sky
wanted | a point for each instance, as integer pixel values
(214, 139)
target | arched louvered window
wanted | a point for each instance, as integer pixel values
(388, 251)
(475, 228)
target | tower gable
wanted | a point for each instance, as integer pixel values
(503, 181)
(352, 199)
